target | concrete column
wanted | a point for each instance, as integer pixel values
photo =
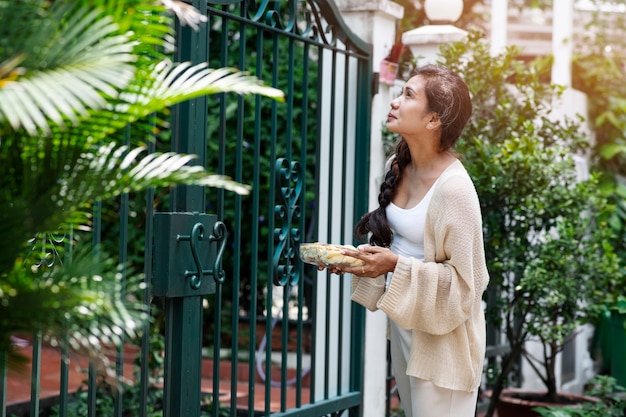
(499, 26)
(375, 22)
(562, 39)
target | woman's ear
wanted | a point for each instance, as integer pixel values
(434, 122)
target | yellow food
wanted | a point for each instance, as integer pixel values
(328, 254)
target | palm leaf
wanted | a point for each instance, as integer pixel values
(186, 14)
(113, 170)
(73, 76)
(83, 61)
(184, 81)
(89, 290)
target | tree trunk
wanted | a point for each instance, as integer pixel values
(507, 366)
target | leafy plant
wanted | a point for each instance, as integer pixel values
(74, 76)
(611, 401)
(598, 71)
(546, 242)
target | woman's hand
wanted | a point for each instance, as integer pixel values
(378, 261)
(331, 268)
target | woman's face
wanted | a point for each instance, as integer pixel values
(409, 114)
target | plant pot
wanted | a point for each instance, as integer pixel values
(516, 402)
(388, 72)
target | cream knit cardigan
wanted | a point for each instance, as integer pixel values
(440, 299)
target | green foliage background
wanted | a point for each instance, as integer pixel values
(550, 256)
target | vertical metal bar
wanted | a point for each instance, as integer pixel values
(236, 278)
(35, 375)
(360, 207)
(183, 329)
(344, 170)
(147, 296)
(221, 169)
(303, 158)
(268, 338)
(256, 192)
(271, 225)
(290, 86)
(64, 381)
(190, 117)
(327, 326)
(331, 224)
(288, 150)
(182, 356)
(284, 347)
(299, 339)
(217, 331)
(123, 257)
(318, 182)
(95, 244)
(91, 389)
(340, 330)
(65, 348)
(3, 383)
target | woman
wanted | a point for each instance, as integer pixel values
(425, 265)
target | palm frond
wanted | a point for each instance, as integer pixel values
(147, 22)
(187, 14)
(174, 83)
(82, 62)
(89, 290)
(166, 85)
(112, 170)
(73, 76)
(101, 174)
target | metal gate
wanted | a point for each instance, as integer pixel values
(289, 331)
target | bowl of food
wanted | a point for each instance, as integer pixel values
(328, 254)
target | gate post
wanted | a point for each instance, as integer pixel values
(376, 24)
(183, 326)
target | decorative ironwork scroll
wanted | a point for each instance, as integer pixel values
(290, 180)
(47, 250)
(314, 20)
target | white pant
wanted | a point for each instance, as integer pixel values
(421, 398)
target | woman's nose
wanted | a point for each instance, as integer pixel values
(394, 103)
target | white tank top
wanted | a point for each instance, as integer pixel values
(408, 228)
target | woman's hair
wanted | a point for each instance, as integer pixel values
(448, 96)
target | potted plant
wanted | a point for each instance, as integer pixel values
(550, 265)
(611, 401)
(389, 66)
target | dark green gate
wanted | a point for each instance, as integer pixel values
(279, 336)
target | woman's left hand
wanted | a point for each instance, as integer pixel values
(378, 261)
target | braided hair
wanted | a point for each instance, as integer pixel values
(448, 96)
